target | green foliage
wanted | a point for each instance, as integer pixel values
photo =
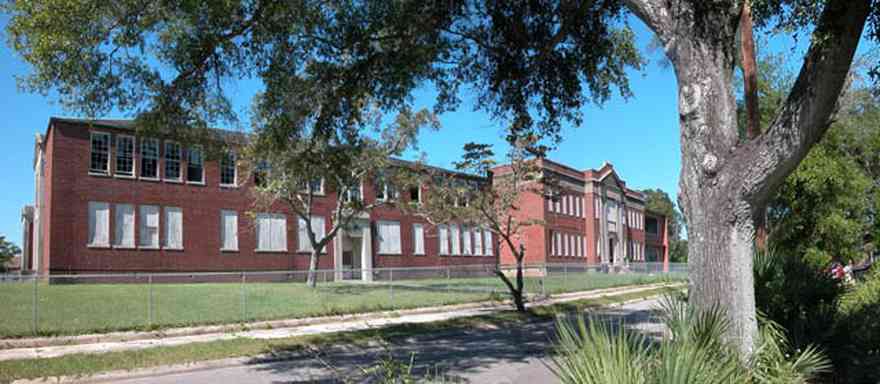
(857, 339)
(8, 250)
(657, 200)
(695, 352)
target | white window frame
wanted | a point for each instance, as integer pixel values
(418, 239)
(443, 239)
(94, 232)
(234, 158)
(455, 236)
(308, 188)
(143, 216)
(272, 218)
(466, 243)
(109, 154)
(157, 158)
(189, 153)
(166, 239)
(166, 160)
(552, 243)
(302, 237)
(488, 244)
(119, 229)
(380, 181)
(360, 190)
(134, 167)
(478, 241)
(419, 189)
(385, 246)
(224, 214)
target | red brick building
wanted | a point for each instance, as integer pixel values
(108, 201)
(595, 219)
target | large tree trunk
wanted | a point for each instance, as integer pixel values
(726, 183)
(312, 279)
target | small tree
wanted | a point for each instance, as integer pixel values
(8, 250)
(302, 168)
(494, 204)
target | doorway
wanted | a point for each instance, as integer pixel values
(352, 247)
(611, 251)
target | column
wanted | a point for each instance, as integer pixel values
(367, 254)
(337, 255)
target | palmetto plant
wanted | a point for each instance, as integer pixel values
(592, 351)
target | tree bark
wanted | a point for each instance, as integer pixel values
(725, 184)
(312, 280)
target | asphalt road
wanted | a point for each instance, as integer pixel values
(475, 355)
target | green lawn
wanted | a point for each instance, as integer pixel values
(68, 309)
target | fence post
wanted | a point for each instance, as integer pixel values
(391, 285)
(36, 303)
(150, 300)
(243, 297)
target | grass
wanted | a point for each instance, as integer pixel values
(71, 309)
(79, 365)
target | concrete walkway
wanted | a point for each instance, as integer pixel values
(483, 354)
(323, 326)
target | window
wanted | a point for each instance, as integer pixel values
(456, 239)
(389, 237)
(354, 193)
(565, 204)
(227, 170)
(596, 207)
(384, 189)
(317, 227)
(598, 248)
(172, 161)
(124, 223)
(565, 242)
(261, 173)
(415, 194)
(580, 207)
(125, 156)
(652, 226)
(557, 241)
(315, 186)
(549, 205)
(271, 232)
(418, 239)
(443, 236)
(195, 167)
(149, 236)
(579, 242)
(150, 159)
(552, 243)
(100, 159)
(228, 230)
(584, 244)
(611, 211)
(488, 245)
(466, 240)
(99, 224)
(173, 228)
(478, 241)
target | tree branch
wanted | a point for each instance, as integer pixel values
(810, 106)
(654, 13)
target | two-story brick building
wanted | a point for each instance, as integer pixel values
(110, 201)
(595, 218)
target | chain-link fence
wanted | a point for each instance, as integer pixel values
(94, 303)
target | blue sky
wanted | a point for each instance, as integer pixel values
(640, 136)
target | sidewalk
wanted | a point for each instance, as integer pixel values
(54, 347)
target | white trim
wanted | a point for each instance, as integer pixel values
(164, 156)
(234, 170)
(105, 172)
(158, 158)
(204, 175)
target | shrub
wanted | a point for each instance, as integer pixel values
(856, 346)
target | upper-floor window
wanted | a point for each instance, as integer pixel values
(150, 158)
(227, 169)
(384, 189)
(353, 193)
(261, 173)
(415, 194)
(652, 225)
(100, 159)
(172, 160)
(124, 156)
(611, 209)
(195, 169)
(315, 186)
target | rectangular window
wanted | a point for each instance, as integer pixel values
(466, 240)
(549, 205)
(565, 245)
(558, 207)
(443, 237)
(99, 224)
(488, 244)
(100, 159)
(580, 203)
(195, 166)
(173, 228)
(455, 234)
(557, 241)
(316, 186)
(384, 189)
(552, 243)
(584, 243)
(415, 195)
(597, 208)
(478, 241)
(150, 159)
(228, 230)
(565, 204)
(611, 209)
(125, 156)
(353, 193)
(227, 170)
(317, 228)
(172, 161)
(149, 226)
(389, 237)
(124, 226)
(578, 242)
(418, 239)
(271, 232)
